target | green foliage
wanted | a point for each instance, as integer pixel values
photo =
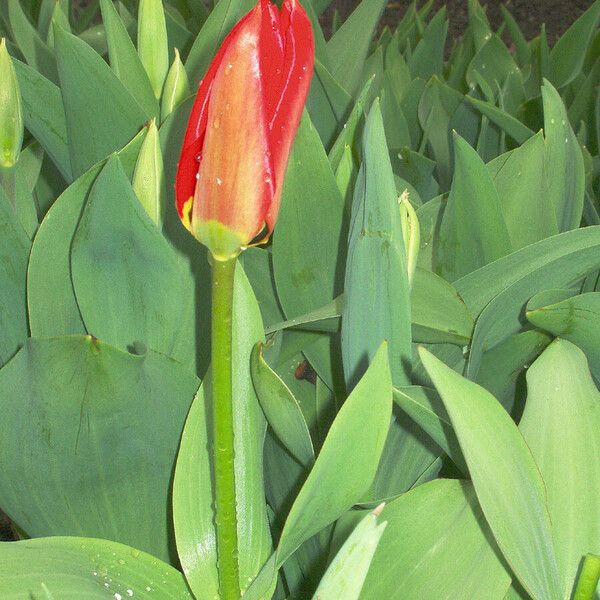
(484, 445)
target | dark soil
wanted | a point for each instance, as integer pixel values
(558, 15)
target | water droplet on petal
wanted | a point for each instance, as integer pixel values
(217, 123)
(228, 69)
(219, 181)
(197, 176)
(267, 180)
(304, 67)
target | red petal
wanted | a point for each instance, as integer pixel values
(285, 104)
(187, 168)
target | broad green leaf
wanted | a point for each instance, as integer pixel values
(408, 459)
(424, 407)
(436, 545)
(193, 500)
(560, 425)
(438, 313)
(221, 19)
(78, 567)
(493, 62)
(102, 429)
(346, 574)
(36, 52)
(512, 126)
(519, 179)
(125, 61)
(507, 284)
(153, 48)
(564, 172)
(568, 54)
(44, 116)
(575, 319)
(503, 365)
(349, 47)
(127, 280)
(347, 461)
(348, 134)
(473, 232)
(427, 58)
(327, 104)
(376, 290)
(52, 306)
(101, 114)
(281, 409)
(507, 481)
(577, 248)
(581, 108)
(14, 254)
(523, 51)
(306, 256)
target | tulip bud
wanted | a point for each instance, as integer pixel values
(177, 87)
(152, 42)
(411, 233)
(148, 177)
(244, 119)
(11, 116)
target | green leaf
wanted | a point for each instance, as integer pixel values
(193, 499)
(85, 407)
(427, 58)
(520, 181)
(14, 253)
(153, 47)
(102, 116)
(36, 52)
(377, 294)
(502, 366)
(222, 18)
(348, 48)
(44, 116)
(125, 61)
(306, 256)
(53, 309)
(436, 545)
(177, 87)
(473, 232)
(438, 313)
(341, 475)
(565, 173)
(425, 407)
(327, 104)
(506, 478)
(513, 127)
(346, 574)
(149, 177)
(575, 319)
(568, 54)
(563, 398)
(281, 409)
(11, 115)
(493, 62)
(127, 280)
(504, 287)
(77, 567)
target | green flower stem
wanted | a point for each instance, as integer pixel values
(226, 518)
(588, 578)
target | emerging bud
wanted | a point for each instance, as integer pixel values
(241, 128)
(11, 115)
(411, 233)
(177, 87)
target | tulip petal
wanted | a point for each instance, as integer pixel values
(187, 169)
(283, 121)
(234, 187)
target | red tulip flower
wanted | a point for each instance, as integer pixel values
(241, 128)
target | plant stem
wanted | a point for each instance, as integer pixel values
(588, 578)
(226, 518)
